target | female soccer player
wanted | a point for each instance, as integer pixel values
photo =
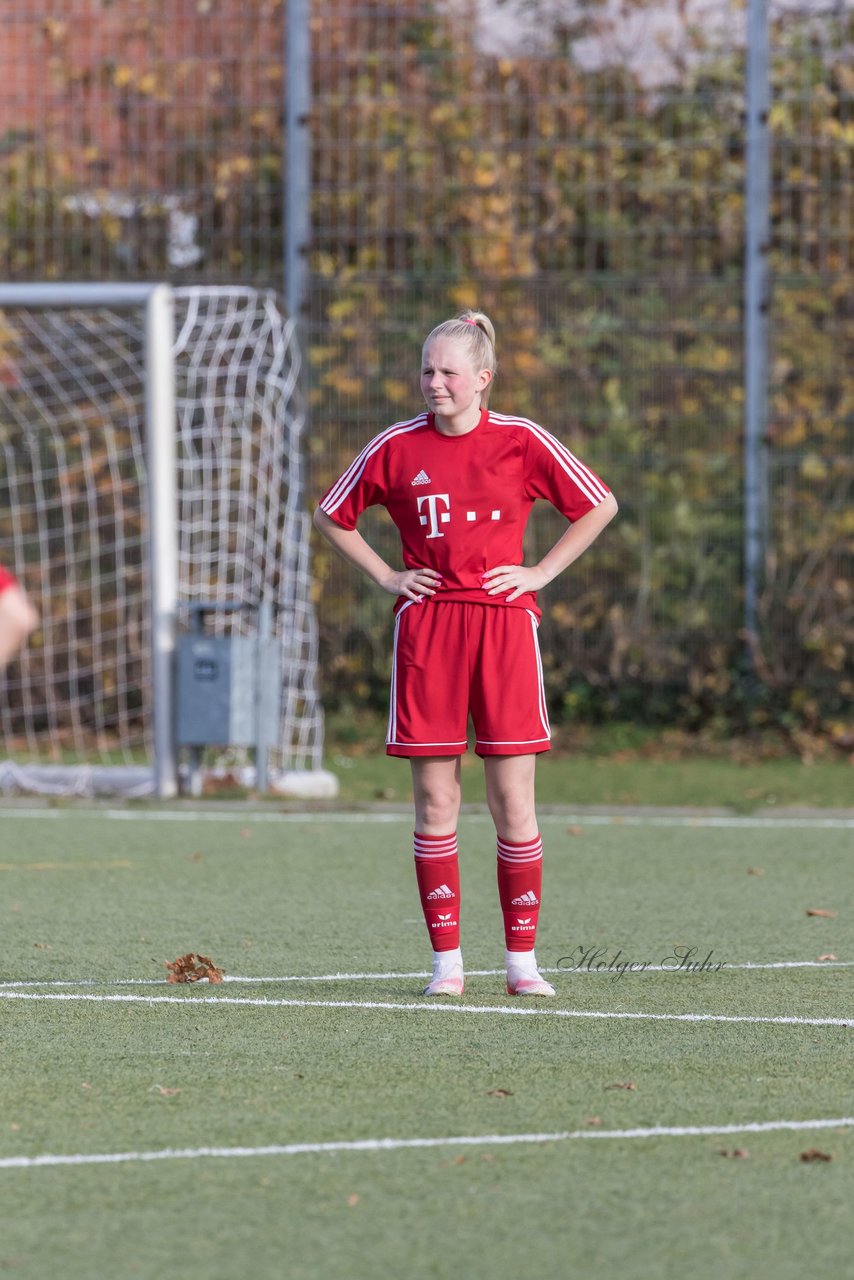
(459, 482)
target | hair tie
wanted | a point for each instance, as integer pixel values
(468, 320)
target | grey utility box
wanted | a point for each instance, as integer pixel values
(228, 689)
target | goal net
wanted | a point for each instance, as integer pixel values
(76, 710)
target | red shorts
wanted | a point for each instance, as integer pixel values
(7, 579)
(453, 659)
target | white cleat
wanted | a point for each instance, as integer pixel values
(447, 982)
(450, 986)
(527, 984)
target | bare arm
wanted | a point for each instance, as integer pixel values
(17, 619)
(414, 584)
(517, 579)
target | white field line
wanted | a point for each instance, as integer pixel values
(413, 975)
(426, 1006)
(404, 1144)
(727, 821)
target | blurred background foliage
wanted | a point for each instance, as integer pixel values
(586, 190)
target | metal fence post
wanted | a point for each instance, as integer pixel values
(756, 311)
(297, 193)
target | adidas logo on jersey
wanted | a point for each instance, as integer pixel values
(421, 478)
(528, 899)
(442, 892)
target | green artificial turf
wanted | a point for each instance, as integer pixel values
(94, 902)
(586, 778)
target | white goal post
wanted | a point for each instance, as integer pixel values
(150, 475)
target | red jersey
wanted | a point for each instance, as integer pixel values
(461, 503)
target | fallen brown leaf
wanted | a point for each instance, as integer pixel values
(819, 911)
(737, 1153)
(500, 1093)
(829, 956)
(575, 830)
(593, 1121)
(224, 782)
(193, 968)
(353, 1200)
(755, 871)
(164, 1092)
(814, 1154)
(625, 1084)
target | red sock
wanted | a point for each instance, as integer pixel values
(438, 873)
(520, 882)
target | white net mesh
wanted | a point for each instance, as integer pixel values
(73, 519)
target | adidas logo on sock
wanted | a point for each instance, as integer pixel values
(528, 899)
(442, 892)
(421, 478)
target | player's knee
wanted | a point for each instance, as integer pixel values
(512, 812)
(437, 806)
(437, 813)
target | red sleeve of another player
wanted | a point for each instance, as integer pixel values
(362, 485)
(553, 473)
(7, 579)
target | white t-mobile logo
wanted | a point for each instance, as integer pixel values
(434, 516)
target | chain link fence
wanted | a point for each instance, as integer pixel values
(575, 170)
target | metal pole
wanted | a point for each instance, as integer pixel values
(194, 753)
(297, 194)
(756, 308)
(163, 536)
(262, 696)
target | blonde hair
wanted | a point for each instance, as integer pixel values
(477, 334)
